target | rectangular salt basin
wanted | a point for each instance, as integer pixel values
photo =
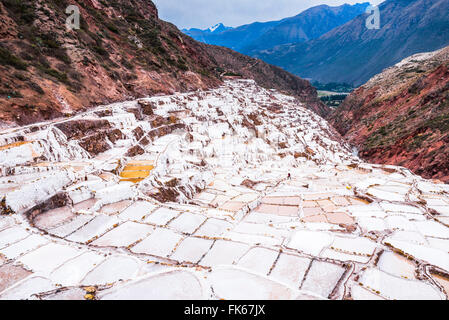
(397, 288)
(399, 208)
(310, 242)
(47, 258)
(113, 269)
(433, 256)
(290, 269)
(322, 278)
(224, 252)
(213, 228)
(187, 222)
(160, 243)
(26, 288)
(96, 227)
(253, 239)
(23, 246)
(357, 245)
(266, 218)
(71, 226)
(161, 216)
(432, 229)
(341, 256)
(259, 260)
(192, 250)
(6, 222)
(124, 235)
(260, 229)
(11, 235)
(74, 270)
(137, 210)
(396, 265)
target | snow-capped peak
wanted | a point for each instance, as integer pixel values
(218, 27)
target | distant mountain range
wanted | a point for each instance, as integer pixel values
(203, 35)
(333, 44)
(353, 53)
(254, 37)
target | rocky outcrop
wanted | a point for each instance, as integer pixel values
(146, 107)
(59, 200)
(92, 134)
(401, 116)
(121, 51)
(81, 128)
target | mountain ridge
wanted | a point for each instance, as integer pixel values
(219, 27)
(309, 24)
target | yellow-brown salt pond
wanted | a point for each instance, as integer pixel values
(136, 171)
(21, 143)
(14, 145)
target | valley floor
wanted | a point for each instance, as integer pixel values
(235, 193)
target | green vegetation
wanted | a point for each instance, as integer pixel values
(204, 72)
(417, 141)
(36, 87)
(100, 50)
(50, 46)
(415, 69)
(232, 74)
(181, 64)
(23, 10)
(20, 76)
(438, 123)
(62, 77)
(371, 120)
(61, 4)
(151, 40)
(333, 86)
(126, 64)
(112, 27)
(332, 100)
(380, 136)
(11, 93)
(7, 58)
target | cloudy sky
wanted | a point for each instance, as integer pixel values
(205, 13)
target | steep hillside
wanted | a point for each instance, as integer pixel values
(401, 116)
(353, 53)
(122, 50)
(310, 24)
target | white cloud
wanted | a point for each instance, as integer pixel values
(205, 13)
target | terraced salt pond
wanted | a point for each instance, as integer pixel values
(136, 171)
(119, 204)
